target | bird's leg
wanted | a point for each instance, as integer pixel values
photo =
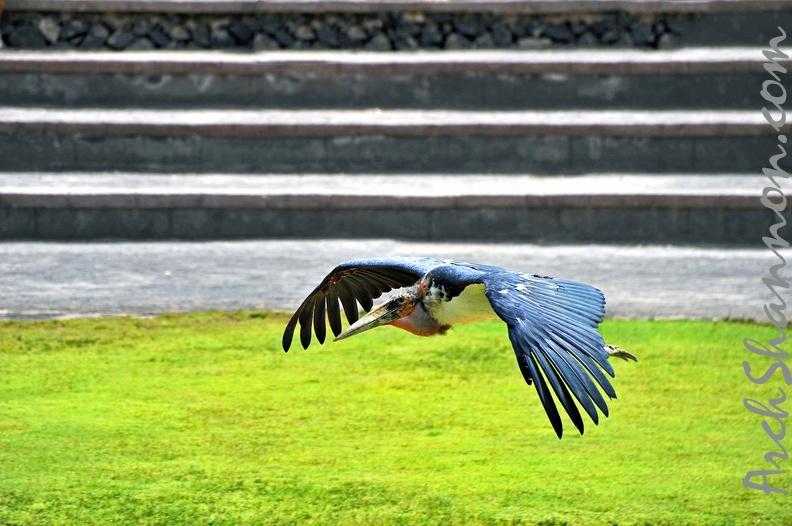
(618, 352)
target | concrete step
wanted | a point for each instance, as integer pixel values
(374, 141)
(432, 6)
(725, 78)
(679, 208)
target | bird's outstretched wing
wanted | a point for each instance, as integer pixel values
(552, 327)
(353, 282)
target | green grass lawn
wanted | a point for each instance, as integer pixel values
(202, 419)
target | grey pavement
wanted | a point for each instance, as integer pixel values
(56, 280)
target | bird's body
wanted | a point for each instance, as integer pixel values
(471, 305)
(552, 322)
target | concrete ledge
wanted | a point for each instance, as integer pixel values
(679, 208)
(395, 192)
(385, 155)
(390, 123)
(627, 62)
(369, 6)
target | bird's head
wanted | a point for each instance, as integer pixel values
(403, 309)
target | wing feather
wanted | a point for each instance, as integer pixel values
(530, 370)
(579, 383)
(561, 391)
(305, 323)
(333, 310)
(347, 297)
(320, 325)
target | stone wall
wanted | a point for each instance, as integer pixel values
(370, 31)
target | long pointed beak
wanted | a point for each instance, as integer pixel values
(382, 315)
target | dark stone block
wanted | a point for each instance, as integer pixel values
(520, 27)
(121, 39)
(409, 29)
(305, 33)
(222, 39)
(356, 33)
(74, 29)
(625, 40)
(485, 41)
(284, 38)
(456, 41)
(431, 36)
(502, 36)
(469, 26)
(587, 40)
(271, 24)
(159, 37)
(441, 18)
(578, 28)
(141, 27)
(611, 36)
(598, 27)
(26, 37)
(559, 33)
(201, 35)
(5, 21)
(96, 37)
(328, 35)
(179, 33)
(405, 43)
(242, 34)
(643, 35)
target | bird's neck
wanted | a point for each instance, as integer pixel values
(420, 322)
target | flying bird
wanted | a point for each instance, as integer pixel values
(552, 323)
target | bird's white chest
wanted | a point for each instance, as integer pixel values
(469, 306)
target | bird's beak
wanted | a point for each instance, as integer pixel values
(382, 315)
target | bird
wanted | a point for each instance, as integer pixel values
(552, 323)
